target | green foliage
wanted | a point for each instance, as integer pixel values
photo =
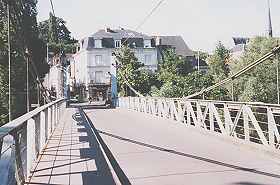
(24, 34)
(182, 86)
(131, 70)
(128, 68)
(218, 62)
(172, 66)
(202, 55)
(259, 84)
(54, 32)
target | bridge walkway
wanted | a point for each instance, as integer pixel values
(72, 155)
(151, 150)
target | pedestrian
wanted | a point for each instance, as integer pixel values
(90, 100)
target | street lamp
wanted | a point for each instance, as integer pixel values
(198, 60)
(27, 79)
(9, 61)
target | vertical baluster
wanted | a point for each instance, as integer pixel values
(46, 123)
(56, 114)
(42, 130)
(31, 150)
(49, 120)
(20, 179)
(1, 144)
(53, 116)
(211, 117)
(246, 124)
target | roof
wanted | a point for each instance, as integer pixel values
(118, 34)
(240, 40)
(181, 48)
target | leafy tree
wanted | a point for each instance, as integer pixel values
(128, 68)
(260, 83)
(172, 66)
(24, 34)
(218, 62)
(182, 86)
(55, 32)
(202, 55)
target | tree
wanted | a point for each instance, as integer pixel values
(172, 66)
(202, 55)
(55, 32)
(259, 84)
(24, 34)
(128, 68)
(218, 62)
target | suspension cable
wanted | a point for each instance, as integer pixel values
(270, 54)
(131, 36)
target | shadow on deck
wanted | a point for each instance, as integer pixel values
(72, 155)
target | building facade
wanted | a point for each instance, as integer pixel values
(94, 61)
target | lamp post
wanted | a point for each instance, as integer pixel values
(27, 79)
(198, 60)
(9, 61)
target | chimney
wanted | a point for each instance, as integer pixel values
(158, 41)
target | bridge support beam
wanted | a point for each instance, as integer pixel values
(42, 130)
(31, 149)
(20, 179)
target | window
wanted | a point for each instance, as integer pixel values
(98, 60)
(98, 43)
(98, 77)
(118, 43)
(147, 43)
(148, 59)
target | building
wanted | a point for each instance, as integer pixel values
(94, 60)
(56, 80)
(180, 47)
(239, 47)
(176, 43)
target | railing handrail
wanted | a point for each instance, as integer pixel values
(17, 123)
(259, 104)
(254, 122)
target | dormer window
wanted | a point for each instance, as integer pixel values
(118, 43)
(147, 43)
(98, 43)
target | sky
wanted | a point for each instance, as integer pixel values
(202, 23)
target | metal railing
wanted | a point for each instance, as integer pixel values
(253, 122)
(22, 140)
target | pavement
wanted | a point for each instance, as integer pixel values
(150, 150)
(72, 155)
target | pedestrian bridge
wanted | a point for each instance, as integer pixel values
(144, 141)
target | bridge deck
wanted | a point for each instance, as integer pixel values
(144, 149)
(152, 150)
(72, 156)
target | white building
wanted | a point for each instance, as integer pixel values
(57, 78)
(94, 60)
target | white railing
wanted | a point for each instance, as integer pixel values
(22, 139)
(252, 122)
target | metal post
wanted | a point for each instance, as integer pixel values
(9, 58)
(18, 161)
(27, 80)
(277, 76)
(198, 60)
(47, 53)
(232, 91)
(38, 92)
(1, 144)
